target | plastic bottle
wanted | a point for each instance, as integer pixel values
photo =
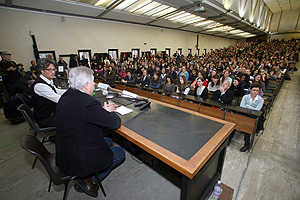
(217, 191)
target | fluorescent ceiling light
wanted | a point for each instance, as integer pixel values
(155, 10)
(137, 5)
(147, 7)
(163, 12)
(125, 4)
(204, 23)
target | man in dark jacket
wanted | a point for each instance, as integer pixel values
(223, 95)
(81, 148)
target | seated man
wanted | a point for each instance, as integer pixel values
(129, 79)
(81, 148)
(223, 95)
(252, 101)
(45, 95)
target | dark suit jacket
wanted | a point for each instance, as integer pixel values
(80, 146)
(204, 93)
(225, 98)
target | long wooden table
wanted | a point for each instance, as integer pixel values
(191, 143)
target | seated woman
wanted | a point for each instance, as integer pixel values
(236, 88)
(163, 75)
(169, 87)
(223, 95)
(155, 82)
(194, 84)
(145, 80)
(214, 84)
(200, 90)
(258, 79)
(183, 86)
(226, 77)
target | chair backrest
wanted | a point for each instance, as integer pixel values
(28, 114)
(34, 146)
(22, 100)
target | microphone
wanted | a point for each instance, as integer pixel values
(147, 104)
(106, 92)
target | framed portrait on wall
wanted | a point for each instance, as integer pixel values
(85, 57)
(47, 54)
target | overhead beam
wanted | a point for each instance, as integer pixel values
(110, 7)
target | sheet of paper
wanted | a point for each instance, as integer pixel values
(123, 110)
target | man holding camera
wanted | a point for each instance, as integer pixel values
(8, 71)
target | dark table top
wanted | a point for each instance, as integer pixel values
(181, 138)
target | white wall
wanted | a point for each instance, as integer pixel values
(69, 35)
(286, 36)
(285, 21)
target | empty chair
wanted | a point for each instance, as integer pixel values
(28, 115)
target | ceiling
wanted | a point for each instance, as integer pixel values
(282, 5)
(219, 19)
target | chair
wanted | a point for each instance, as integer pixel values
(57, 176)
(28, 115)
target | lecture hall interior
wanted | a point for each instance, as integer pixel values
(206, 90)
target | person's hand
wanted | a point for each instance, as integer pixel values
(222, 89)
(110, 107)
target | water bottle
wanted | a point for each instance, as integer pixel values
(217, 191)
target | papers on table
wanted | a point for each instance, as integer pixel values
(129, 94)
(123, 110)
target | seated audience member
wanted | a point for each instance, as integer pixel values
(214, 84)
(173, 73)
(193, 75)
(21, 85)
(236, 88)
(155, 82)
(226, 77)
(103, 72)
(272, 74)
(10, 109)
(163, 76)
(145, 80)
(110, 76)
(194, 83)
(129, 79)
(184, 73)
(223, 95)
(169, 87)
(200, 90)
(183, 86)
(254, 102)
(45, 94)
(258, 79)
(245, 81)
(81, 148)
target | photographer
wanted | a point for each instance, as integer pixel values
(8, 71)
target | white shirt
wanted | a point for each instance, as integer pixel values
(44, 90)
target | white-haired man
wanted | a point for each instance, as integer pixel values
(81, 148)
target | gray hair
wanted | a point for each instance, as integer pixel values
(79, 76)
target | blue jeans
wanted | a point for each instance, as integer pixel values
(119, 156)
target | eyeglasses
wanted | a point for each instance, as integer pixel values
(53, 70)
(7, 54)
